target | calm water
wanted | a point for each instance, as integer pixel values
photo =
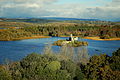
(16, 50)
(2, 28)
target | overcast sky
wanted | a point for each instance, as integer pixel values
(88, 9)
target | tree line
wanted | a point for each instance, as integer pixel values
(20, 29)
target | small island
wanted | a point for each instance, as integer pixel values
(72, 41)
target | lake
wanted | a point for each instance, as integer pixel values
(3, 28)
(16, 50)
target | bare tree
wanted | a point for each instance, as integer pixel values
(48, 49)
(81, 55)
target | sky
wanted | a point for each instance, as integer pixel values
(86, 9)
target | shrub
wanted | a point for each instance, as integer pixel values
(54, 65)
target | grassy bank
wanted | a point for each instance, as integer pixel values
(22, 38)
(36, 37)
(98, 38)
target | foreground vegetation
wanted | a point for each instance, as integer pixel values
(21, 30)
(63, 66)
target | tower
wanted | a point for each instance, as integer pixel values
(72, 39)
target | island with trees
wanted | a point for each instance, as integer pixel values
(72, 41)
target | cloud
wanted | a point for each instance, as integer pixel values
(110, 11)
(104, 13)
(24, 8)
(100, 9)
(115, 3)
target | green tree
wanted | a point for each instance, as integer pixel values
(96, 63)
(115, 60)
(4, 74)
(54, 65)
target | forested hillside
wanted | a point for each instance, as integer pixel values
(13, 30)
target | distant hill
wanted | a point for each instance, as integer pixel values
(58, 18)
(44, 19)
(30, 20)
(52, 19)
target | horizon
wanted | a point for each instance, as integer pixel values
(106, 10)
(61, 18)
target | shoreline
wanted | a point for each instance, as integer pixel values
(36, 37)
(98, 38)
(23, 38)
(69, 36)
